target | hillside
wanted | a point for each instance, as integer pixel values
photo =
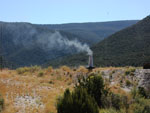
(130, 46)
(27, 44)
(6, 64)
(36, 90)
(92, 32)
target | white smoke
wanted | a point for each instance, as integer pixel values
(29, 37)
(56, 40)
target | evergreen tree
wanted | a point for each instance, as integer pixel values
(94, 85)
(77, 102)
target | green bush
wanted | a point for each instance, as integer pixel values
(95, 87)
(141, 105)
(128, 83)
(130, 71)
(77, 102)
(1, 103)
(134, 92)
(22, 70)
(142, 92)
(116, 101)
(110, 110)
(40, 74)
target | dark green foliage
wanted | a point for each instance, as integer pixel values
(128, 83)
(105, 99)
(119, 102)
(127, 72)
(146, 109)
(1, 103)
(141, 105)
(76, 102)
(116, 101)
(143, 92)
(95, 87)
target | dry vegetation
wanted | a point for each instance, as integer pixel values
(35, 90)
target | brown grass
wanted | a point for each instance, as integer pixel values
(48, 87)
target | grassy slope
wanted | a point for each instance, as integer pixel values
(46, 85)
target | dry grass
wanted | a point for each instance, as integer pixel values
(29, 86)
(40, 92)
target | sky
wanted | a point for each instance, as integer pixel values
(72, 11)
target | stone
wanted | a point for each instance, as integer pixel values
(143, 76)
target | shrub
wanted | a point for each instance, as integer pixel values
(134, 92)
(110, 110)
(116, 101)
(1, 103)
(94, 85)
(128, 83)
(130, 71)
(102, 73)
(32, 69)
(22, 70)
(142, 92)
(49, 69)
(65, 68)
(77, 102)
(51, 82)
(141, 105)
(40, 74)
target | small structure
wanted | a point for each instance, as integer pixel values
(90, 66)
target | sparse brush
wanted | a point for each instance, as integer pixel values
(102, 73)
(1, 103)
(40, 74)
(51, 82)
(32, 69)
(49, 70)
(134, 92)
(130, 71)
(65, 68)
(22, 70)
(128, 83)
(82, 69)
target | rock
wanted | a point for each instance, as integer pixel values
(143, 75)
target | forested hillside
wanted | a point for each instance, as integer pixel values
(27, 44)
(93, 32)
(130, 46)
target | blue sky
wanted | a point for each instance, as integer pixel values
(70, 11)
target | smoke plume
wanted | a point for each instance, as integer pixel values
(56, 40)
(28, 36)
